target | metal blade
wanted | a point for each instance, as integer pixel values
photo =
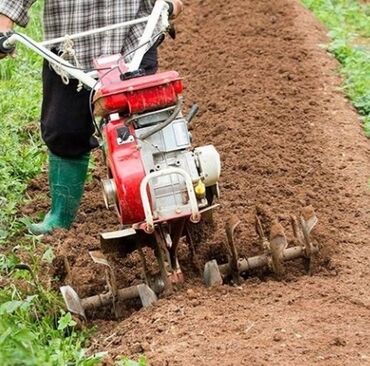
(297, 232)
(259, 229)
(277, 237)
(231, 225)
(309, 218)
(278, 243)
(72, 301)
(98, 257)
(147, 295)
(212, 275)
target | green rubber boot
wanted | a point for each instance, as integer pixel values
(66, 182)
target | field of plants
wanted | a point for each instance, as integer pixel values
(34, 328)
(349, 27)
(284, 92)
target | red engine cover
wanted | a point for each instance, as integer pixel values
(136, 95)
(125, 165)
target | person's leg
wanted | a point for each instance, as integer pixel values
(66, 124)
(67, 130)
(66, 183)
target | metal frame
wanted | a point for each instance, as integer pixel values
(160, 11)
(195, 215)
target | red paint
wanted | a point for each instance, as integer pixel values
(125, 164)
(136, 95)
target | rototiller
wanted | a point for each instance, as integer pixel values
(156, 181)
(158, 184)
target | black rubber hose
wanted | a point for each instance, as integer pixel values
(164, 124)
(192, 113)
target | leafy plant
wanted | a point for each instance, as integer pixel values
(349, 25)
(32, 332)
(142, 361)
(20, 147)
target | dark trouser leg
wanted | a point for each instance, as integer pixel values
(67, 130)
(66, 124)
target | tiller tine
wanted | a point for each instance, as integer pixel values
(79, 306)
(212, 275)
(98, 257)
(302, 230)
(308, 219)
(146, 294)
(259, 230)
(72, 301)
(278, 243)
(231, 225)
(276, 250)
(167, 239)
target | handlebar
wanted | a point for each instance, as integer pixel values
(160, 12)
(5, 49)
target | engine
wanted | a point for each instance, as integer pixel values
(154, 173)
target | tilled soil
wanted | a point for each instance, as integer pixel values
(271, 103)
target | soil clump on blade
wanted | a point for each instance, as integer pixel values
(270, 102)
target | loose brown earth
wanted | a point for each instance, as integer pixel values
(271, 104)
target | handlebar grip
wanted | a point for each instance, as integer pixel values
(5, 49)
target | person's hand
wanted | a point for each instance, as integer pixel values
(178, 7)
(6, 25)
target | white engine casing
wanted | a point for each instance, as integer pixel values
(209, 164)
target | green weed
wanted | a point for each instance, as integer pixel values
(33, 333)
(33, 329)
(349, 24)
(20, 147)
(142, 361)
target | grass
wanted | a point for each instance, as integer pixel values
(348, 22)
(34, 330)
(31, 334)
(20, 148)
